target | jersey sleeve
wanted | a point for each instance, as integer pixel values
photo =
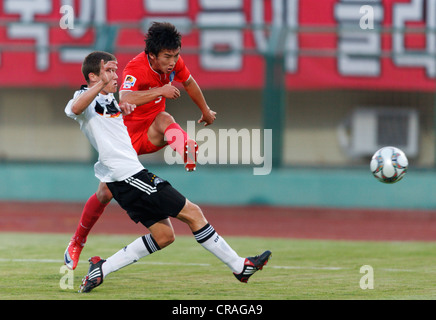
(182, 71)
(87, 114)
(69, 105)
(131, 79)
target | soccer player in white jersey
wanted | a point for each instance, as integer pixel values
(148, 83)
(146, 197)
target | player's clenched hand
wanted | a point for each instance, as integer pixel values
(170, 92)
(107, 70)
(207, 117)
(127, 108)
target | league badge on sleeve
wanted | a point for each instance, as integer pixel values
(129, 82)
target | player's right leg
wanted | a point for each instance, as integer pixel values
(165, 130)
(92, 211)
(205, 234)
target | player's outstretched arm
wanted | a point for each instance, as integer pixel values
(127, 108)
(142, 97)
(193, 89)
(107, 72)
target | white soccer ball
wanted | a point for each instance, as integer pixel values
(389, 164)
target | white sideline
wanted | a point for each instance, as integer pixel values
(203, 265)
(140, 262)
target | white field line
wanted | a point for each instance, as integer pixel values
(140, 262)
(204, 265)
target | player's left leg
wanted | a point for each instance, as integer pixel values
(138, 195)
(206, 235)
(92, 211)
(161, 235)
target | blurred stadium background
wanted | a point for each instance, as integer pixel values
(334, 79)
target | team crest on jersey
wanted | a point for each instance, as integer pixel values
(129, 82)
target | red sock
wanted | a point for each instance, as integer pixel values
(176, 138)
(90, 214)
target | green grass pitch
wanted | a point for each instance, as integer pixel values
(31, 269)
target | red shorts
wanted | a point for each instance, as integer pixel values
(138, 134)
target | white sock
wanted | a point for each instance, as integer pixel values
(215, 244)
(131, 253)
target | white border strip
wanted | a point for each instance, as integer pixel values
(204, 265)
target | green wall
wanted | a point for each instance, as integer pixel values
(232, 186)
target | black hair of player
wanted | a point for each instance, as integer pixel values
(162, 36)
(92, 62)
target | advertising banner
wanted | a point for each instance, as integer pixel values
(326, 43)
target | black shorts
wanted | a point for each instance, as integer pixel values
(147, 198)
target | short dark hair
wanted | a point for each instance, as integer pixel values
(162, 36)
(91, 64)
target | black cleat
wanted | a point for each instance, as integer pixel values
(94, 278)
(252, 264)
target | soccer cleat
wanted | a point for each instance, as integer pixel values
(252, 264)
(190, 152)
(94, 278)
(72, 253)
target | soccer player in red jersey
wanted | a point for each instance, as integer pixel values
(147, 83)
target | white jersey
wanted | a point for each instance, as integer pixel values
(103, 125)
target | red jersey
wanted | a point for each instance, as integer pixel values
(138, 76)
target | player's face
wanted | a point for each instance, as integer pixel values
(112, 86)
(166, 60)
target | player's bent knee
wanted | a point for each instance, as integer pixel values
(192, 210)
(104, 195)
(165, 240)
(165, 119)
(165, 116)
(192, 215)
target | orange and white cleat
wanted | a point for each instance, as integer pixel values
(72, 253)
(190, 155)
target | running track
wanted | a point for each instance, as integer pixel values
(259, 221)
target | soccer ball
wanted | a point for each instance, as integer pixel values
(389, 164)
